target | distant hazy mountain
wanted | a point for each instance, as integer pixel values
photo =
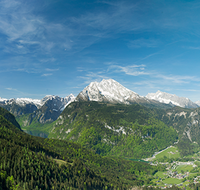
(57, 103)
(21, 101)
(197, 102)
(52, 107)
(34, 112)
(21, 106)
(166, 98)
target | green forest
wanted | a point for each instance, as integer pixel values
(92, 146)
(28, 162)
(128, 131)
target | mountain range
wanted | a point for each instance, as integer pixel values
(38, 114)
(106, 118)
(113, 92)
(33, 104)
(109, 91)
(39, 163)
(34, 112)
(172, 99)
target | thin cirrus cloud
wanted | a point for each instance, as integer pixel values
(197, 48)
(156, 78)
(20, 25)
(47, 74)
(94, 76)
(178, 79)
(137, 70)
(115, 20)
(37, 38)
(11, 89)
(189, 90)
(134, 70)
(26, 30)
(51, 70)
(140, 43)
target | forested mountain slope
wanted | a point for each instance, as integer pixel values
(186, 123)
(132, 131)
(9, 117)
(37, 163)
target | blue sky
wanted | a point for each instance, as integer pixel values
(58, 47)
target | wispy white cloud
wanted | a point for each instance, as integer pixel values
(117, 17)
(140, 43)
(51, 70)
(134, 70)
(21, 94)
(47, 74)
(25, 29)
(189, 90)
(139, 70)
(11, 89)
(52, 59)
(30, 32)
(145, 77)
(197, 48)
(92, 76)
(147, 56)
(178, 79)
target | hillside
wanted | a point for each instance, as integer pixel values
(186, 123)
(36, 163)
(131, 131)
(9, 117)
(35, 113)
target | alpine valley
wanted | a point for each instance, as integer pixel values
(36, 113)
(99, 140)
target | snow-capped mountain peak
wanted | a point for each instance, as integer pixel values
(24, 101)
(48, 97)
(108, 91)
(58, 102)
(167, 98)
(21, 101)
(67, 101)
